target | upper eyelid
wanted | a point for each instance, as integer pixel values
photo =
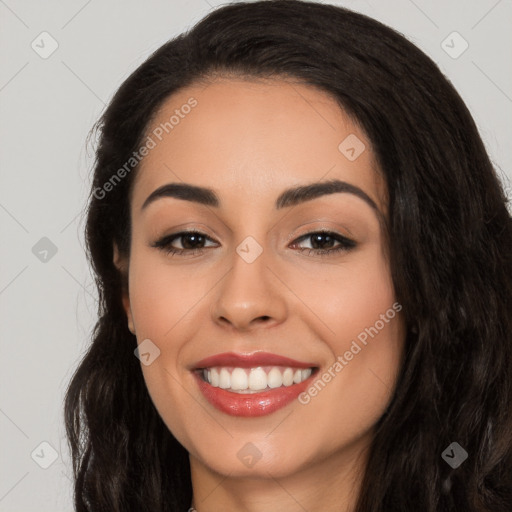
(293, 238)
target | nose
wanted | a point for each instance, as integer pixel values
(249, 295)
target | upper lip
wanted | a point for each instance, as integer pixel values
(253, 360)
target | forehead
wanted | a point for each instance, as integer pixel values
(249, 139)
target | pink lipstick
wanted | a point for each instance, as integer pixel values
(250, 385)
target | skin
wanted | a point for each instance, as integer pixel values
(249, 140)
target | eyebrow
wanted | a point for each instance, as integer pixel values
(289, 197)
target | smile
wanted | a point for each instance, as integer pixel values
(254, 380)
(251, 385)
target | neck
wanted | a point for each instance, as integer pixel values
(331, 484)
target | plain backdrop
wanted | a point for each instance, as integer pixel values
(49, 102)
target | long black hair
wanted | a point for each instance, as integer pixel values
(450, 243)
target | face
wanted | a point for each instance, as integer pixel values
(283, 303)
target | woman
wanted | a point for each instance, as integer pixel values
(303, 259)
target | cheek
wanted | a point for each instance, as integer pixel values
(361, 382)
(166, 302)
(359, 320)
(163, 297)
(347, 297)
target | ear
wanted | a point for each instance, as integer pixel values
(122, 265)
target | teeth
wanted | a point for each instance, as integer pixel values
(288, 377)
(257, 379)
(252, 380)
(274, 379)
(224, 379)
(213, 377)
(239, 380)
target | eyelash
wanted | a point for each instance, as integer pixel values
(164, 244)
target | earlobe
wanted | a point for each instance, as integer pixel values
(118, 260)
(120, 263)
(126, 304)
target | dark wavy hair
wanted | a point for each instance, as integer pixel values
(450, 241)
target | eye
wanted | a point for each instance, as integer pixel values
(326, 239)
(192, 242)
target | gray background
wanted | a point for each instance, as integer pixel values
(47, 107)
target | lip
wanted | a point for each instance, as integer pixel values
(251, 404)
(251, 361)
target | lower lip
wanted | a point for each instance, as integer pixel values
(251, 404)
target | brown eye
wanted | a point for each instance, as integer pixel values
(323, 241)
(191, 241)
